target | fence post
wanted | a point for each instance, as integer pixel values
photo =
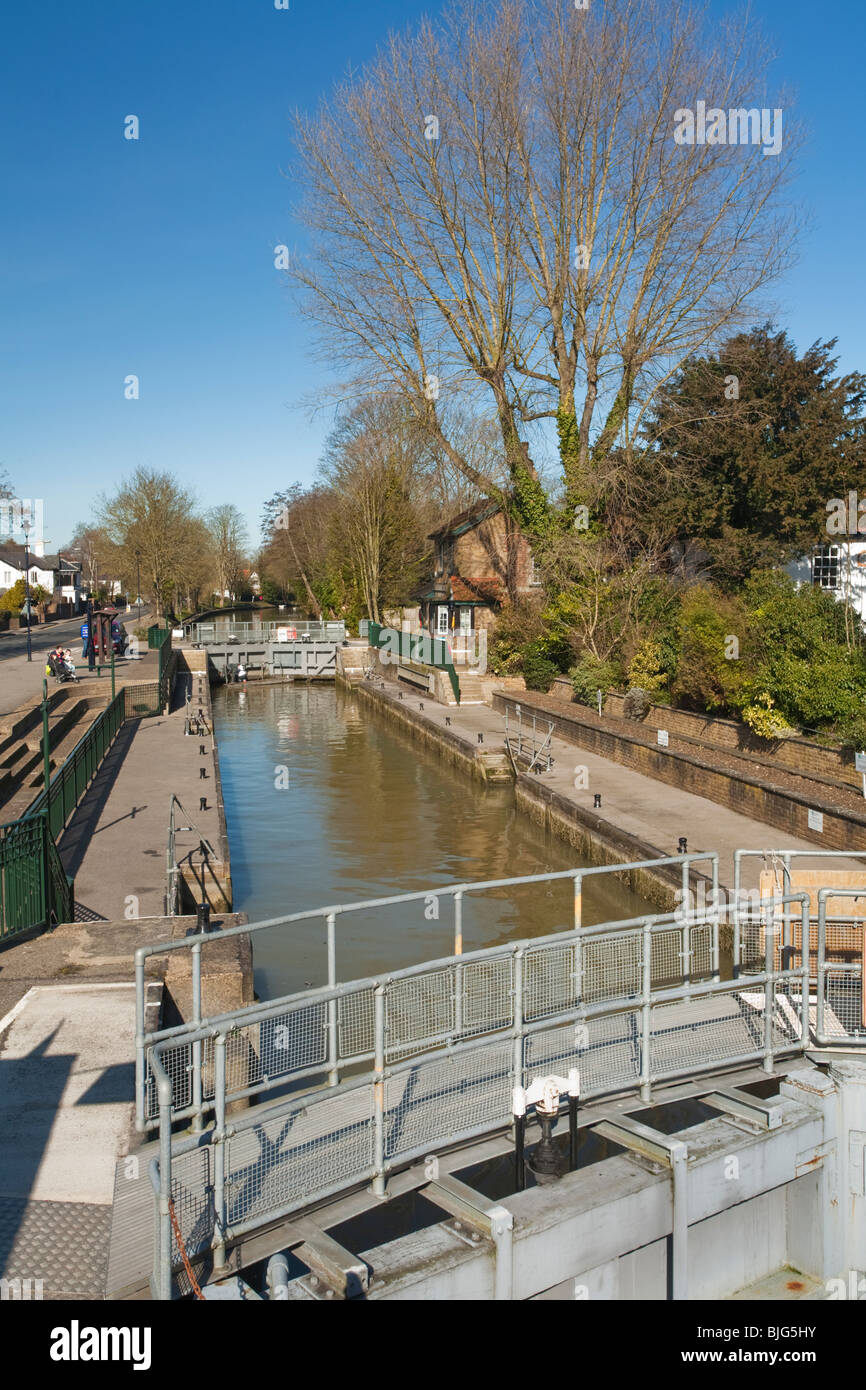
(219, 1147)
(517, 1020)
(333, 1068)
(379, 1091)
(46, 750)
(578, 901)
(197, 1122)
(646, 1016)
(768, 989)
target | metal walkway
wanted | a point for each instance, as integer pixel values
(355, 1082)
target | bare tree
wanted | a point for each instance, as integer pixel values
(152, 517)
(501, 211)
(228, 538)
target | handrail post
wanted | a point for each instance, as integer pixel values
(821, 977)
(768, 988)
(717, 910)
(517, 1020)
(46, 750)
(735, 965)
(379, 1091)
(686, 953)
(646, 1016)
(578, 901)
(458, 973)
(333, 1067)
(197, 1120)
(219, 1148)
(140, 1107)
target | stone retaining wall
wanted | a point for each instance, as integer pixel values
(793, 754)
(750, 796)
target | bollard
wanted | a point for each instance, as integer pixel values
(202, 918)
(480, 738)
(596, 801)
(202, 773)
(682, 845)
(202, 750)
(202, 803)
(448, 721)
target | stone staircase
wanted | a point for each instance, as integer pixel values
(471, 688)
(21, 761)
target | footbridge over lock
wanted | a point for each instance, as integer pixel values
(378, 1138)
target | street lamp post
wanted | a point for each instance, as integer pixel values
(138, 583)
(26, 529)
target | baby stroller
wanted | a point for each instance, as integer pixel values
(61, 666)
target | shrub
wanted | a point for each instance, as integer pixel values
(591, 675)
(539, 671)
(765, 720)
(647, 670)
(517, 626)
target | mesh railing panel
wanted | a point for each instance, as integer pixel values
(843, 1008)
(426, 1106)
(612, 966)
(356, 1024)
(606, 1051)
(192, 1194)
(418, 1010)
(289, 1159)
(549, 981)
(487, 994)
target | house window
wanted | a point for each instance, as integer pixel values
(825, 567)
(534, 576)
(442, 620)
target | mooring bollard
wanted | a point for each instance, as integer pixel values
(202, 803)
(596, 801)
(682, 845)
(202, 916)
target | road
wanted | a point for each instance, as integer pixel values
(19, 678)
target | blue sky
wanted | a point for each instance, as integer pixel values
(155, 257)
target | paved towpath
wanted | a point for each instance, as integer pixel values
(115, 844)
(21, 679)
(652, 811)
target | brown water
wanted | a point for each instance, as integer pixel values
(328, 803)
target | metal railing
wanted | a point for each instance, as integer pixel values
(35, 891)
(532, 745)
(202, 634)
(329, 916)
(172, 868)
(437, 1050)
(69, 783)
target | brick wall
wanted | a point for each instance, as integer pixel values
(843, 830)
(495, 549)
(793, 754)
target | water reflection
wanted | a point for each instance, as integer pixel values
(328, 804)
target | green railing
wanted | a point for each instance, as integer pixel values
(70, 782)
(35, 890)
(157, 636)
(419, 644)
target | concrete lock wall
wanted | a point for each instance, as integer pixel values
(758, 1200)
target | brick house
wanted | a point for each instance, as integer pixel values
(481, 560)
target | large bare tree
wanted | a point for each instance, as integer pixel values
(501, 212)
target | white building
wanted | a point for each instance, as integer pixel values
(840, 567)
(58, 574)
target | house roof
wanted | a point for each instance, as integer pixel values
(466, 520)
(13, 554)
(482, 590)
